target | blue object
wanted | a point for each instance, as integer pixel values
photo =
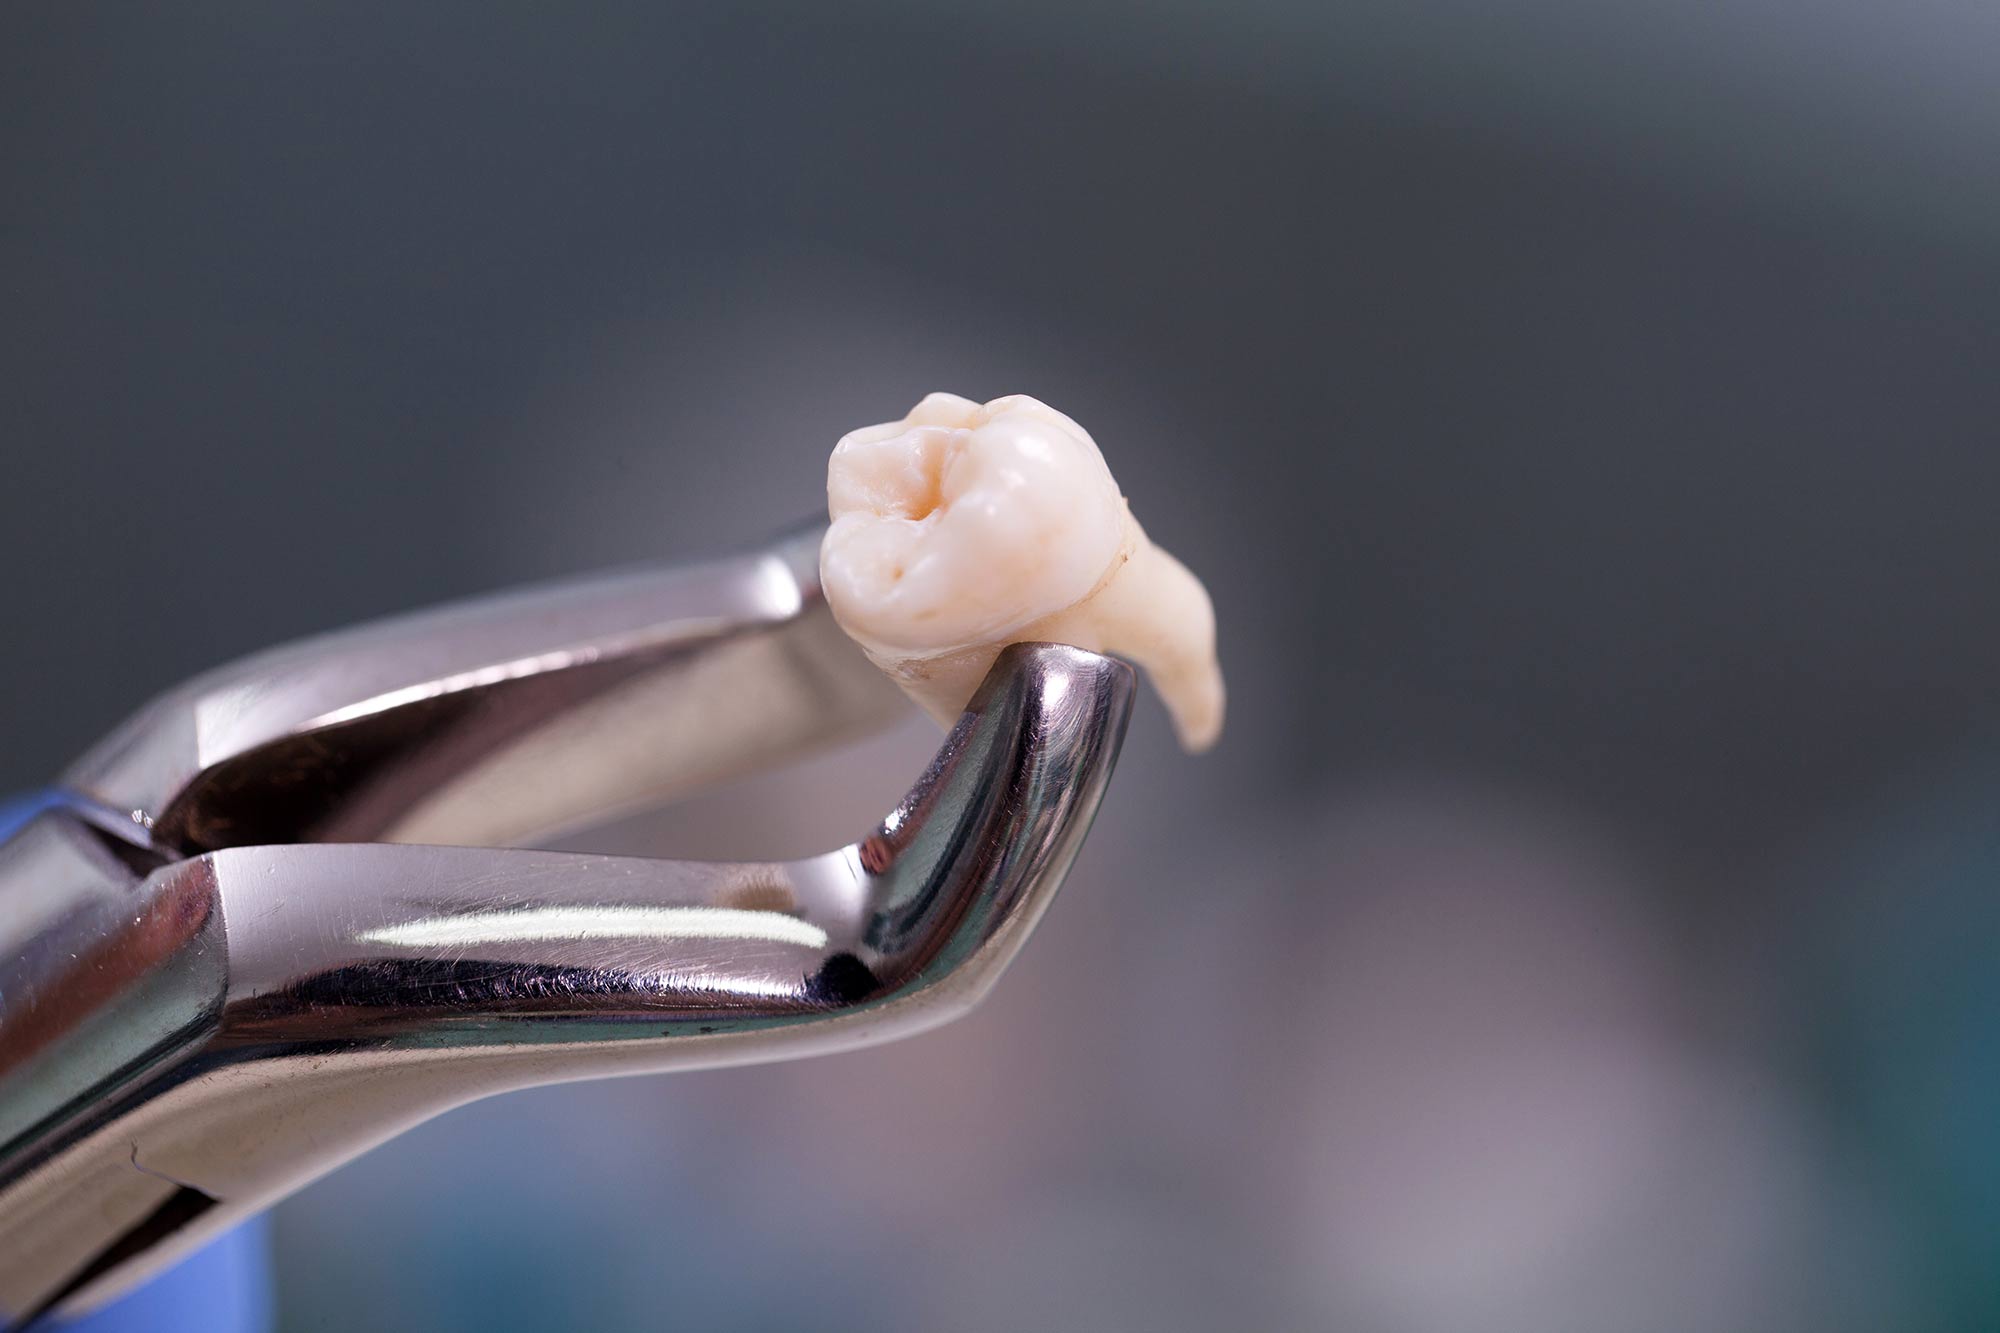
(223, 1288)
(16, 811)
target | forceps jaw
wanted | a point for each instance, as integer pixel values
(333, 995)
(503, 719)
(430, 949)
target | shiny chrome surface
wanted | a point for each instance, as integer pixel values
(198, 1026)
(503, 719)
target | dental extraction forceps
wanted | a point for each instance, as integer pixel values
(276, 918)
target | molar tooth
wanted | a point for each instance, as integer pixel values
(963, 528)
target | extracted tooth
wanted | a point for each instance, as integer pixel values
(963, 528)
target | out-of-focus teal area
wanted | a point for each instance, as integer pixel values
(1583, 416)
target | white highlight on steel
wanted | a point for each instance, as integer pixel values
(521, 925)
(496, 674)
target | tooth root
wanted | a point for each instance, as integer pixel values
(1156, 612)
(1153, 611)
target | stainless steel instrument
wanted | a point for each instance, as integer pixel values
(277, 918)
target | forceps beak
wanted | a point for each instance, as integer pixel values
(289, 998)
(575, 965)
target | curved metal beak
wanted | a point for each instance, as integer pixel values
(580, 965)
(355, 990)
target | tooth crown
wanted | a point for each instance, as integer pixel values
(963, 523)
(963, 528)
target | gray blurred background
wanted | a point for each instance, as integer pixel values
(1586, 417)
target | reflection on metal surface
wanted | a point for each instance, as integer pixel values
(277, 1001)
(528, 925)
(457, 684)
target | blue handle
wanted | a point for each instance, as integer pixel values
(223, 1288)
(16, 811)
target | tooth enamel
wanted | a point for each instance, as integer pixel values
(963, 528)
